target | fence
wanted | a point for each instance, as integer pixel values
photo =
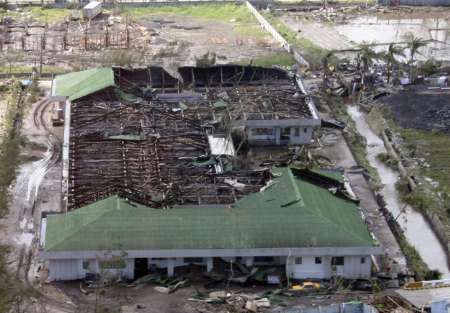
(276, 35)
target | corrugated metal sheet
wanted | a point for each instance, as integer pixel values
(291, 213)
(79, 84)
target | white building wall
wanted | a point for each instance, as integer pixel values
(305, 135)
(309, 268)
(355, 268)
(65, 270)
(73, 269)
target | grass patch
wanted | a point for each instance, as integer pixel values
(415, 262)
(28, 69)
(214, 12)
(388, 160)
(309, 50)
(434, 149)
(243, 21)
(49, 15)
(283, 59)
(356, 142)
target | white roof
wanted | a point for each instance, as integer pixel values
(92, 5)
(220, 145)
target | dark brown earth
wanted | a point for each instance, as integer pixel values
(421, 108)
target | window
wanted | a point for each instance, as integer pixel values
(318, 260)
(296, 132)
(264, 259)
(337, 260)
(298, 260)
(363, 260)
(193, 260)
(305, 130)
(86, 265)
(262, 131)
(285, 134)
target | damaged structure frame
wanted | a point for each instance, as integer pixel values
(138, 142)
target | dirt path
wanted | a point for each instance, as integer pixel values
(37, 188)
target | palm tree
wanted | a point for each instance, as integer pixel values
(390, 57)
(414, 44)
(365, 58)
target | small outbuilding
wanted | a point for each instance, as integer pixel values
(92, 9)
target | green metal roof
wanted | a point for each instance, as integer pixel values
(79, 84)
(290, 213)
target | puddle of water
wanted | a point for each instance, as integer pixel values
(416, 228)
(382, 30)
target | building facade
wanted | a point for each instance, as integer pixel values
(296, 223)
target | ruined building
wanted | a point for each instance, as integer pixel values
(163, 170)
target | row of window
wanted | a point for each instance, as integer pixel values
(336, 261)
(120, 263)
(285, 132)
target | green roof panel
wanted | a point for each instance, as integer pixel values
(290, 213)
(79, 84)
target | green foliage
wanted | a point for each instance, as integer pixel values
(388, 160)
(431, 66)
(309, 50)
(414, 44)
(125, 58)
(208, 59)
(10, 288)
(415, 261)
(283, 59)
(40, 14)
(354, 139)
(214, 12)
(242, 20)
(390, 57)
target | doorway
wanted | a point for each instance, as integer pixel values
(140, 267)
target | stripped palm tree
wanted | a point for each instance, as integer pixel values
(414, 44)
(365, 58)
(392, 52)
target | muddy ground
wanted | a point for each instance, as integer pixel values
(170, 40)
(419, 107)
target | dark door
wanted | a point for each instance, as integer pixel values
(140, 267)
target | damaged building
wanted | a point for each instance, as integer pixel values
(157, 173)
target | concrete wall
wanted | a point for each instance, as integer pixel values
(297, 137)
(69, 269)
(353, 267)
(73, 269)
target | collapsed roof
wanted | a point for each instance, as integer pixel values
(153, 138)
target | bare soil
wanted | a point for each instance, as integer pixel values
(421, 108)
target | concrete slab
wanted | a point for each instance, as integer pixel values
(422, 298)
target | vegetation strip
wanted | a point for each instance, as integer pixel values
(10, 289)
